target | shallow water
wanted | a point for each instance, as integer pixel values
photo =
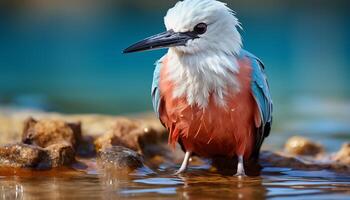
(86, 181)
(198, 183)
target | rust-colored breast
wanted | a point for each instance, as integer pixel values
(216, 130)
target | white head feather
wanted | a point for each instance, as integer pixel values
(205, 65)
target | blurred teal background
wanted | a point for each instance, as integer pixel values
(65, 55)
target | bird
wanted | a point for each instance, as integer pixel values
(211, 94)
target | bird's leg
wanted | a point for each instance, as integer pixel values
(184, 163)
(240, 167)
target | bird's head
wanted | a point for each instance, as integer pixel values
(194, 26)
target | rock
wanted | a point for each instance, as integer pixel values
(302, 146)
(133, 134)
(22, 155)
(276, 159)
(45, 132)
(86, 147)
(51, 142)
(145, 135)
(120, 158)
(343, 155)
(58, 138)
(122, 133)
(114, 165)
(61, 154)
(11, 122)
(31, 156)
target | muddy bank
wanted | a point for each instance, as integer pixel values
(49, 140)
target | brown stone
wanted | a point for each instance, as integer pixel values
(31, 156)
(120, 158)
(284, 160)
(343, 155)
(302, 146)
(133, 134)
(21, 156)
(46, 132)
(61, 154)
(279, 159)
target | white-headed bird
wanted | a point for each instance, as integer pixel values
(210, 94)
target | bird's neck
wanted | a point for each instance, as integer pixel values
(203, 76)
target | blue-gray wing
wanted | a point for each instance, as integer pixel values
(155, 87)
(261, 92)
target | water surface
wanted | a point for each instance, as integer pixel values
(198, 183)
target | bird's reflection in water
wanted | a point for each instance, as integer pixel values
(202, 181)
(217, 181)
(206, 185)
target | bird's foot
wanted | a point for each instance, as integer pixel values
(240, 168)
(240, 174)
(180, 171)
(184, 163)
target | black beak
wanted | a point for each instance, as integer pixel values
(162, 40)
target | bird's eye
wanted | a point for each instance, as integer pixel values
(200, 28)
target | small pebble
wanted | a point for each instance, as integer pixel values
(302, 146)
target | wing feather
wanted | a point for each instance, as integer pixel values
(155, 87)
(261, 92)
